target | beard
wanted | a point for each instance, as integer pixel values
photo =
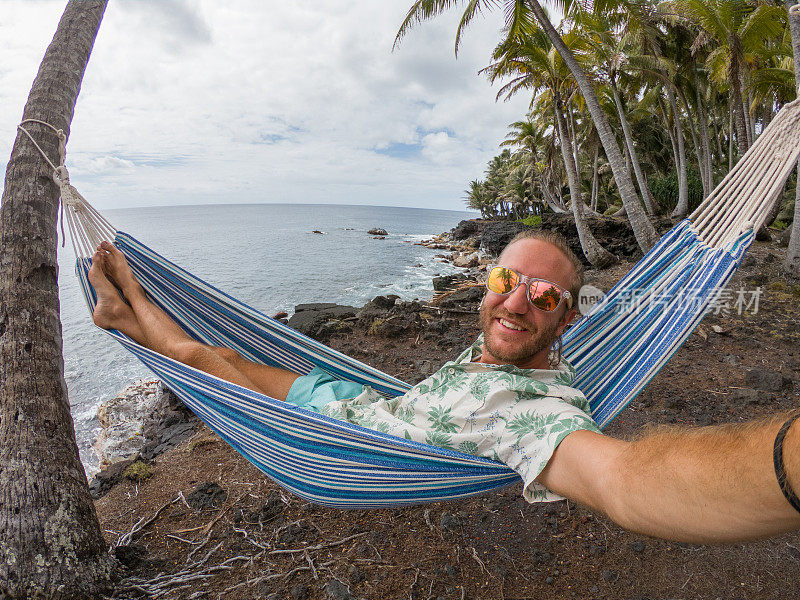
(537, 341)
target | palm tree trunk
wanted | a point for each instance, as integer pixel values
(595, 175)
(737, 104)
(51, 545)
(598, 256)
(730, 138)
(683, 181)
(574, 137)
(719, 132)
(555, 204)
(792, 261)
(670, 133)
(649, 201)
(705, 164)
(693, 131)
(643, 229)
(751, 124)
(571, 131)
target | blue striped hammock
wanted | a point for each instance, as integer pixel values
(616, 349)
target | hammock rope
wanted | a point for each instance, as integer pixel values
(87, 227)
(616, 349)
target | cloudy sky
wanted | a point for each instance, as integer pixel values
(193, 101)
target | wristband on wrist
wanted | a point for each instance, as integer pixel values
(780, 470)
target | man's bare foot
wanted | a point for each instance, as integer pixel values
(111, 311)
(116, 268)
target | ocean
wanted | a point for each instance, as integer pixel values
(247, 250)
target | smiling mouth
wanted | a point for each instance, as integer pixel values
(510, 325)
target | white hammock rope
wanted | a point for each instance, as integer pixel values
(87, 227)
(743, 199)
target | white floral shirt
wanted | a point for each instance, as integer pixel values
(511, 415)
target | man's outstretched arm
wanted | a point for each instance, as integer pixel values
(709, 484)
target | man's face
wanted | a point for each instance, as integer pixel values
(514, 331)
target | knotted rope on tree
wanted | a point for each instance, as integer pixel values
(87, 227)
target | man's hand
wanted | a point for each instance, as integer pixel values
(709, 484)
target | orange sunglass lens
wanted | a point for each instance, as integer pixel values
(502, 281)
(544, 296)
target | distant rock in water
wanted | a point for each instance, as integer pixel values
(377, 231)
(318, 231)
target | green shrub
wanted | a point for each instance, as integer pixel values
(138, 471)
(665, 190)
(778, 224)
(531, 221)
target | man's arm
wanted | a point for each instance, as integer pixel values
(709, 484)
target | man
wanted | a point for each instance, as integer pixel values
(509, 398)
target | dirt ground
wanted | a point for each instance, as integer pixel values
(253, 540)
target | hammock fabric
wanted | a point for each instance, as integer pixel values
(616, 349)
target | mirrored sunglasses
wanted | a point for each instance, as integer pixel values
(542, 294)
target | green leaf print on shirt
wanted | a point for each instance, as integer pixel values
(363, 418)
(479, 387)
(391, 404)
(432, 385)
(468, 448)
(520, 384)
(564, 378)
(446, 382)
(535, 387)
(334, 410)
(405, 413)
(436, 438)
(441, 419)
(530, 422)
(539, 494)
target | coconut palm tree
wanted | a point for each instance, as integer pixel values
(612, 59)
(531, 141)
(477, 198)
(643, 229)
(737, 28)
(51, 545)
(518, 14)
(533, 65)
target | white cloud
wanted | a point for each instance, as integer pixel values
(440, 148)
(103, 165)
(201, 101)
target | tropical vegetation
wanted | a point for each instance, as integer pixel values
(637, 107)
